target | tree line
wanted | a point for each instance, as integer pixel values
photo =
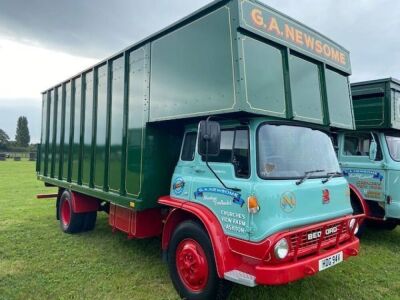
(22, 137)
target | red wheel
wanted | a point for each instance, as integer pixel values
(70, 222)
(192, 265)
(65, 213)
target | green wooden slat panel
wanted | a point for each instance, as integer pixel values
(339, 102)
(117, 105)
(51, 135)
(77, 132)
(57, 149)
(306, 90)
(369, 111)
(101, 117)
(136, 119)
(67, 131)
(43, 135)
(192, 69)
(264, 80)
(87, 135)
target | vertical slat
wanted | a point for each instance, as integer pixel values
(46, 152)
(125, 123)
(108, 126)
(94, 128)
(82, 128)
(54, 105)
(286, 76)
(71, 141)
(61, 166)
(324, 94)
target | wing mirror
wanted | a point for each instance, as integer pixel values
(209, 138)
(373, 149)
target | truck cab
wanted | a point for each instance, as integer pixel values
(369, 156)
(271, 196)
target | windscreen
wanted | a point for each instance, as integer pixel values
(393, 143)
(291, 151)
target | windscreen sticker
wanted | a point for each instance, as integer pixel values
(236, 197)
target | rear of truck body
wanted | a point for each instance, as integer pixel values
(370, 156)
(123, 137)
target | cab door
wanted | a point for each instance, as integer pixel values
(184, 171)
(367, 175)
(232, 166)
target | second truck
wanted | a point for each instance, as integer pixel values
(213, 134)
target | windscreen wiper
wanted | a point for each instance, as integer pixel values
(330, 175)
(307, 175)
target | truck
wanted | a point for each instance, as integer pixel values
(370, 155)
(212, 134)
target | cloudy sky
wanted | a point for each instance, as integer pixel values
(42, 42)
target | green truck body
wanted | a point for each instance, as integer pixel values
(101, 131)
(269, 206)
(373, 172)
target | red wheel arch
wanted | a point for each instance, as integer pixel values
(83, 203)
(361, 199)
(184, 210)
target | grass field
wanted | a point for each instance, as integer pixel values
(37, 261)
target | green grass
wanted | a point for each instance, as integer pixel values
(38, 261)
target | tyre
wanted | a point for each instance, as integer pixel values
(70, 222)
(192, 266)
(90, 221)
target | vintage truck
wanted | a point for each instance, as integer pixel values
(214, 135)
(370, 156)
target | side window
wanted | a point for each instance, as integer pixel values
(234, 149)
(241, 153)
(358, 145)
(189, 146)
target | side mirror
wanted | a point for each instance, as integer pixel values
(373, 149)
(209, 138)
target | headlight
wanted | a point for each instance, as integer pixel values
(281, 249)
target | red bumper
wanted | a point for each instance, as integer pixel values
(307, 246)
(281, 274)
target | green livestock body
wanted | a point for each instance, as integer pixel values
(377, 104)
(114, 130)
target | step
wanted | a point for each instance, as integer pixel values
(241, 278)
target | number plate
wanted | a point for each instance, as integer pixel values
(330, 261)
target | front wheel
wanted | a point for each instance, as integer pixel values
(192, 266)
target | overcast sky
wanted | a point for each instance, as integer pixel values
(42, 42)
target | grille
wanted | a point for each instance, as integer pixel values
(304, 243)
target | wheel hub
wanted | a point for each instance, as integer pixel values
(192, 264)
(65, 213)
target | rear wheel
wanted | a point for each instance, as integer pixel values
(70, 222)
(192, 266)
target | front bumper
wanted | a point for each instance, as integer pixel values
(308, 245)
(281, 274)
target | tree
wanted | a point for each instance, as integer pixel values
(22, 136)
(4, 139)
